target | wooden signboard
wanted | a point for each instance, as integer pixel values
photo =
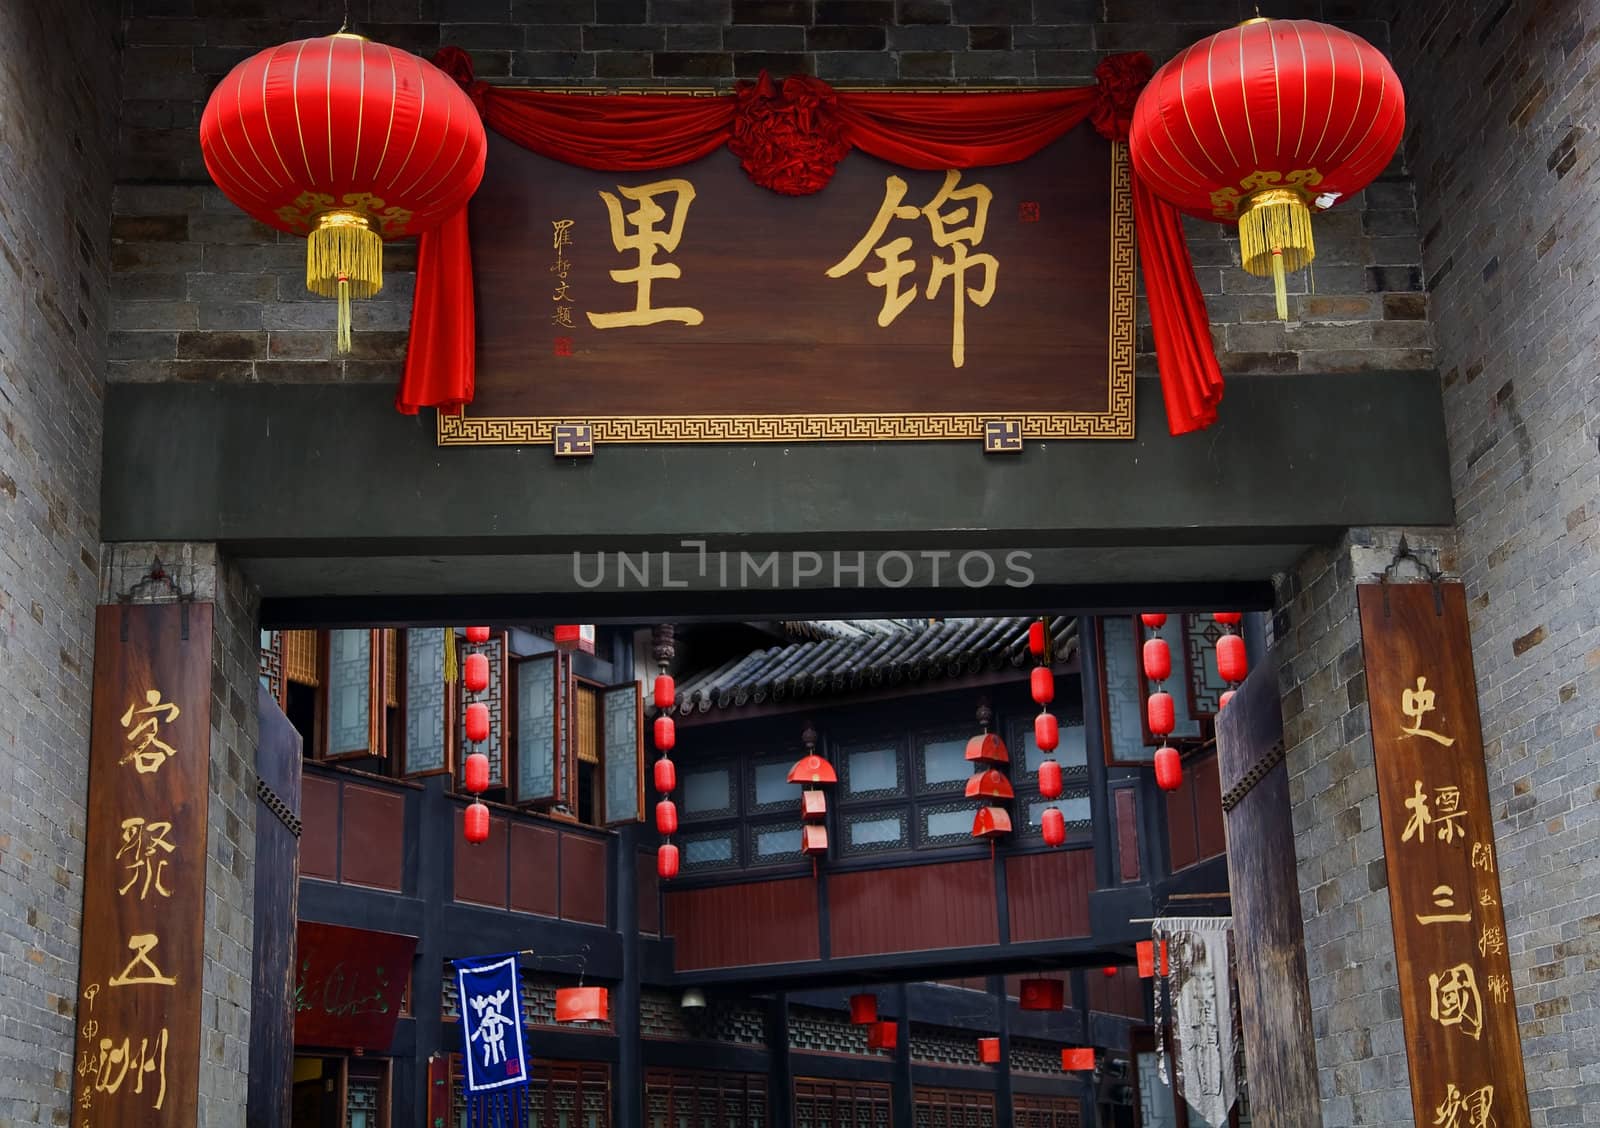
(348, 985)
(1438, 835)
(690, 305)
(137, 1059)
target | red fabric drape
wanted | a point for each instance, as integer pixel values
(789, 140)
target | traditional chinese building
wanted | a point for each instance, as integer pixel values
(849, 340)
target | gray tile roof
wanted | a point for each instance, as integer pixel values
(844, 659)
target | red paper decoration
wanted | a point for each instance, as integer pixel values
(1157, 659)
(666, 692)
(991, 822)
(1050, 779)
(813, 769)
(475, 673)
(990, 784)
(883, 1035)
(1160, 715)
(1054, 826)
(1263, 124)
(1043, 685)
(1042, 995)
(813, 804)
(989, 1050)
(814, 839)
(666, 817)
(1077, 1058)
(1146, 950)
(582, 1004)
(1228, 618)
(666, 733)
(349, 143)
(1036, 638)
(1169, 768)
(573, 636)
(478, 635)
(1046, 735)
(477, 723)
(666, 776)
(666, 861)
(1109, 972)
(476, 775)
(1232, 665)
(863, 1009)
(987, 748)
(475, 824)
(1153, 620)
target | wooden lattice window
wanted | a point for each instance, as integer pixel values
(952, 1108)
(703, 1097)
(820, 1103)
(1031, 1111)
(575, 1093)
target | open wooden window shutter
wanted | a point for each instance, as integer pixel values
(622, 752)
(302, 658)
(352, 712)
(432, 705)
(539, 729)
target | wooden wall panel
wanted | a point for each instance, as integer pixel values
(583, 879)
(913, 908)
(648, 885)
(1125, 808)
(319, 833)
(1049, 894)
(535, 870)
(762, 922)
(480, 871)
(1120, 994)
(1182, 848)
(1210, 838)
(374, 838)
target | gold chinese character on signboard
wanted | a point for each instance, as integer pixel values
(149, 751)
(1444, 897)
(1454, 1000)
(141, 839)
(1416, 704)
(563, 316)
(955, 228)
(1448, 813)
(117, 1060)
(1465, 1110)
(646, 240)
(1491, 942)
(1499, 988)
(142, 968)
(1486, 898)
(563, 233)
(1420, 816)
(1483, 856)
(563, 292)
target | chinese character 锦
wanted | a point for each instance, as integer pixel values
(140, 841)
(956, 229)
(1417, 703)
(1444, 897)
(149, 751)
(646, 240)
(1465, 1110)
(1454, 1000)
(492, 1023)
(142, 969)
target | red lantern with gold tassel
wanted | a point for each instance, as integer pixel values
(1263, 125)
(348, 143)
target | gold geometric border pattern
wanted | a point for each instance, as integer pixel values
(1116, 422)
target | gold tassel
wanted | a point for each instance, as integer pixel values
(1275, 238)
(451, 670)
(344, 260)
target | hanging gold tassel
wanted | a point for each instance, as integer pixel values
(344, 260)
(1275, 238)
(451, 669)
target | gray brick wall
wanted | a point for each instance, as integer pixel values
(58, 97)
(1333, 796)
(202, 293)
(1502, 105)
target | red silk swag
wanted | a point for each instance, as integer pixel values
(789, 138)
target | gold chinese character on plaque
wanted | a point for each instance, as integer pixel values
(149, 751)
(1465, 1110)
(1444, 899)
(957, 219)
(1454, 1000)
(647, 239)
(1499, 988)
(1483, 856)
(141, 839)
(117, 1060)
(1491, 942)
(142, 968)
(1416, 704)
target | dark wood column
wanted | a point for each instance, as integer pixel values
(902, 1101)
(627, 1090)
(780, 1079)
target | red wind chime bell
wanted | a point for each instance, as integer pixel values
(812, 773)
(986, 752)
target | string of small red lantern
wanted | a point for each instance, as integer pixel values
(1046, 733)
(665, 696)
(1160, 711)
(1233, 664)
(475, 679)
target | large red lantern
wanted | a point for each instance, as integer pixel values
(1263, 124)
(475, 824)
(349, 143)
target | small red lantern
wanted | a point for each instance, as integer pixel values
(813, 769)
(666, 861)
(883, 1035)
(1169, 768)
(582, 1004)
(477, 722)
(475, 673)
(814, 839)
(991, 822)
(989, 1051)
(1036, 638)
(1054, 826)
(476, 776)
(571, 636)
(1109, 972)
(666, 817)
(1046, 733)
(1160, 714)
(478, 634)
(990, 784)
(1050, 779)
(476, 824)
(863, 1009)
(1043, 684)
(1222, 702)
(1042, 995)
(1228, 618)
(987, 748)
(666, 776)
(1077, 1058)
(1147, 958)
(1232, 664)
(666, 692)
(1154, 620)
(813, 804)
(666, 733)
(1157, 659)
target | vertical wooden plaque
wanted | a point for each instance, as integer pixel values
(1438, 836)
(139, 985)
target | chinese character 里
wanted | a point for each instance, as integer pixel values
(646, 240)
(1416, 704)
(1454, 1000)
(149, 751)
(955, 227)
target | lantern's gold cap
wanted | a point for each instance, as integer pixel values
(1255, 20)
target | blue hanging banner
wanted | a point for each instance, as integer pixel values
(494, 1058)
